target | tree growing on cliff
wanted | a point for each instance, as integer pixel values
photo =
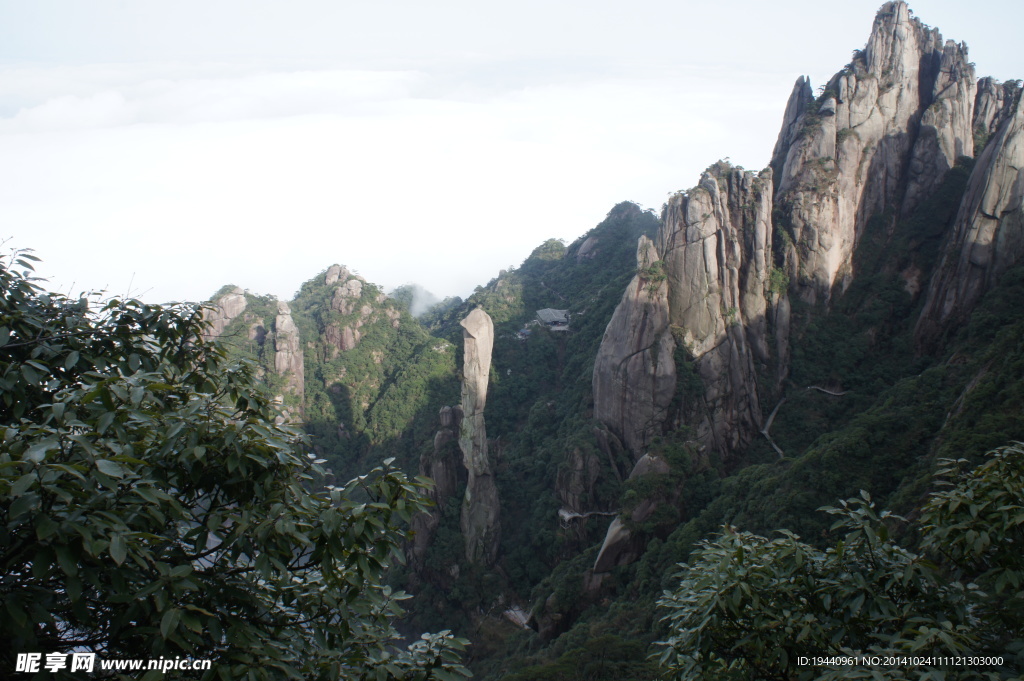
(149, 506)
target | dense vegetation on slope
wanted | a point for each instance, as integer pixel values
(368, 396)
(151, 508)
(538, 410)
(753, 607)
(890, 411)
(896, 411)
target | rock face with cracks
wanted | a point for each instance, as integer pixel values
(288, 358)
(634, 372)
(440, 465)
(988, 234)
(225, 309)
(876, 143)
(702, 291)
(480, 527)
(716, 243)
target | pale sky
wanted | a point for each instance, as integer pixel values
(164, 149)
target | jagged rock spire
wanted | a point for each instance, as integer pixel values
(878, 140)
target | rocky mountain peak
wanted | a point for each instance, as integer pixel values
(878, 141)
(223, 309)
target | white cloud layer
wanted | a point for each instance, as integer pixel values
(429, 144)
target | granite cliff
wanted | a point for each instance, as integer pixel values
(876, 143)
(853, 297)
(480, 526)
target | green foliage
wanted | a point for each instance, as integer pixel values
(380, 397)
(602, 658)
(843, 134)
(975, 527)
(749, 607)
(778, 281)
(150, 506)
(653, 274)
(981, 138)
(552, 249)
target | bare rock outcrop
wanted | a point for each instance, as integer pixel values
(442, 468)
(716, 242)
(705, 287)
(902, 115)
(988, 234)
(347, 301)
(288, 360)
(335, 273)
(346, 296)
(634, 372)
(801, 99)
(480, 525)
(224, 309)
(620, 546)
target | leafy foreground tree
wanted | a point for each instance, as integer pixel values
(149, 506)
(752, 608)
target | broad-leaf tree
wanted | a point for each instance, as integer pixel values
(749, 607)
(150, 506)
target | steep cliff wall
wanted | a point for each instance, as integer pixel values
(480, 527)
(705, 287)
(716, 243)
(634, 372)
(288, 358)
(877, 141)
(438, 464)
(988, 235)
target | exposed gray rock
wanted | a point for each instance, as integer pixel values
(620, 546)
(336, 273)
(649, 464)
(445, 416)
(945, 132)
(903, 115)
(716, 243)
(992, 106)
(588, 249)
(346, 296)
(480, 525)
(348, 300)
(988, 234)
(709, 292)
(617, 548)
(576, 482)
(288, 358)
(634, 373)
(224, 309)
(577, 478)
(799, 102)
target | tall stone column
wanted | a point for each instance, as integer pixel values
(480, 527)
